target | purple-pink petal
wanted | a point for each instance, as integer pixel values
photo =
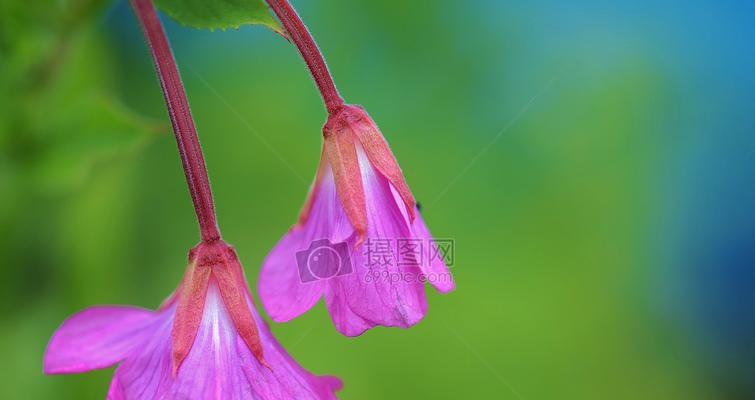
(366, 295)
(387, 295)
(115, 392)
(95, 338)
(219, 366)
(284, 291)
(434, 269)
(281, 291)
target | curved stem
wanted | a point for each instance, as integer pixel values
(308, 48)
(181, 119)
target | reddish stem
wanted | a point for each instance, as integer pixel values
(309, 51)
(180, 117)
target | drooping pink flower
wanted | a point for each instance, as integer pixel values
(347, 243)
(206, 342)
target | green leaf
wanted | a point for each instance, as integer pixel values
(85, 134)
(219, 14)
(61, 115)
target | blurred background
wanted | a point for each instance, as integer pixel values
(592, 161)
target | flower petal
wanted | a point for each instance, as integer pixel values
(281, 291)
(381, 157)
(115, 392)
(433, 268)
(286, 291)
(314, 189)
(220, 365)
(95, 338)
(387, 294)
(346, 321)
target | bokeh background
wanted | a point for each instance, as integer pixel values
(593, 161)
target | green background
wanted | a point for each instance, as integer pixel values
(540, 136)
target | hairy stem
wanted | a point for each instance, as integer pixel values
(181, 119)
(309, 51)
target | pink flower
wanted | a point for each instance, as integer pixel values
(359, 200)
(203, 343)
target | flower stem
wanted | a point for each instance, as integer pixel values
(181, 119)
(308, 49)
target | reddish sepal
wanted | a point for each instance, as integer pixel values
(381, 157)
(340, 149)
(189, 311)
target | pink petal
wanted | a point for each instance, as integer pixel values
(219, 366)
(314, 189)
(286, 293)
(395, 296)
(95, 338)
(434, 269)
(355, 300)
(346, 321)
(382, 159)
(115, 392)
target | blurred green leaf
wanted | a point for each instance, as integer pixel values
(60, 113)
(219, 14)
(91, 130)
